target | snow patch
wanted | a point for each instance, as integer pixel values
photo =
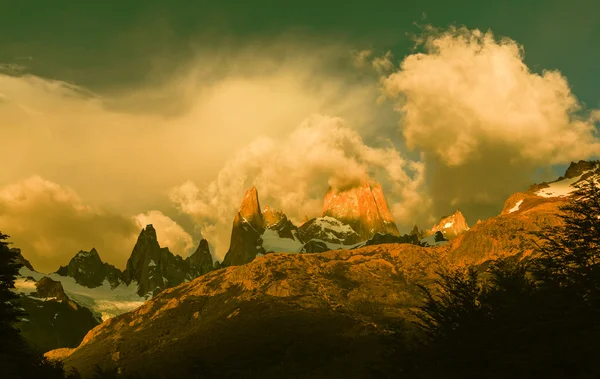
(516, 207)
(561, 188)
(273, 242)
(151, 264)
(448, 224)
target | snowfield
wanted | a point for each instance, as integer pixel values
(563, 187)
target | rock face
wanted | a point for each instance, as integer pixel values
(452, 225)
(87, 269)
(579, 168)
(155, 268)
(248, 226)
(363, 208)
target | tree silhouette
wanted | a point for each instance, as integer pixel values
(520, 318)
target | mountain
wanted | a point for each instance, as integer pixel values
(87, 269)
(576, 173)
(52, 319)
(301, 315)
(248, 226)
(451, 226)
(154, 268)
(363, 208)
(346, 215)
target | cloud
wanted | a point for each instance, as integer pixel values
(383, 64)
(293, 174)
(177, 125)
(50, 223)
(168, 232)
(361, 58)
(479, 115)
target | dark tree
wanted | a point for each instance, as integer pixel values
(531, 318)
(17, 359)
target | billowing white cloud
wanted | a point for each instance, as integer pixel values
(169, 233)
(50, 223)
(479, 116)
(294, 173)
(469, 89)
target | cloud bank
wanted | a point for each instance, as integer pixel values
(479, 115)
(50, 223)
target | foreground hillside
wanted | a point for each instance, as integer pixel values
(317, 315)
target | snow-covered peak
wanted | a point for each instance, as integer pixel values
(564, 187)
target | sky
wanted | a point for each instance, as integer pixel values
(114, 114)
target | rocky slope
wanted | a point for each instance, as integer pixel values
(308, 315)
(52, 319)
(363, 208)
(87, 269)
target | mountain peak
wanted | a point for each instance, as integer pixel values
(451, 225)
(250, 209)
(362, 207)
(576, 169)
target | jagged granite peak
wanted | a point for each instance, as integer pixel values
(87, 268)
(247, 229)
(452, 225)
(201, 261)
(20, 259)
(250, 209)
(577, 169)
(245, 243)
(152, 267)
(363, 208)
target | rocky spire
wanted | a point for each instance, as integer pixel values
(363, 208)
(248, 226)
(201, 261)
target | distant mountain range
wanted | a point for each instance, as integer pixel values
(310, 315)
(356, 223)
